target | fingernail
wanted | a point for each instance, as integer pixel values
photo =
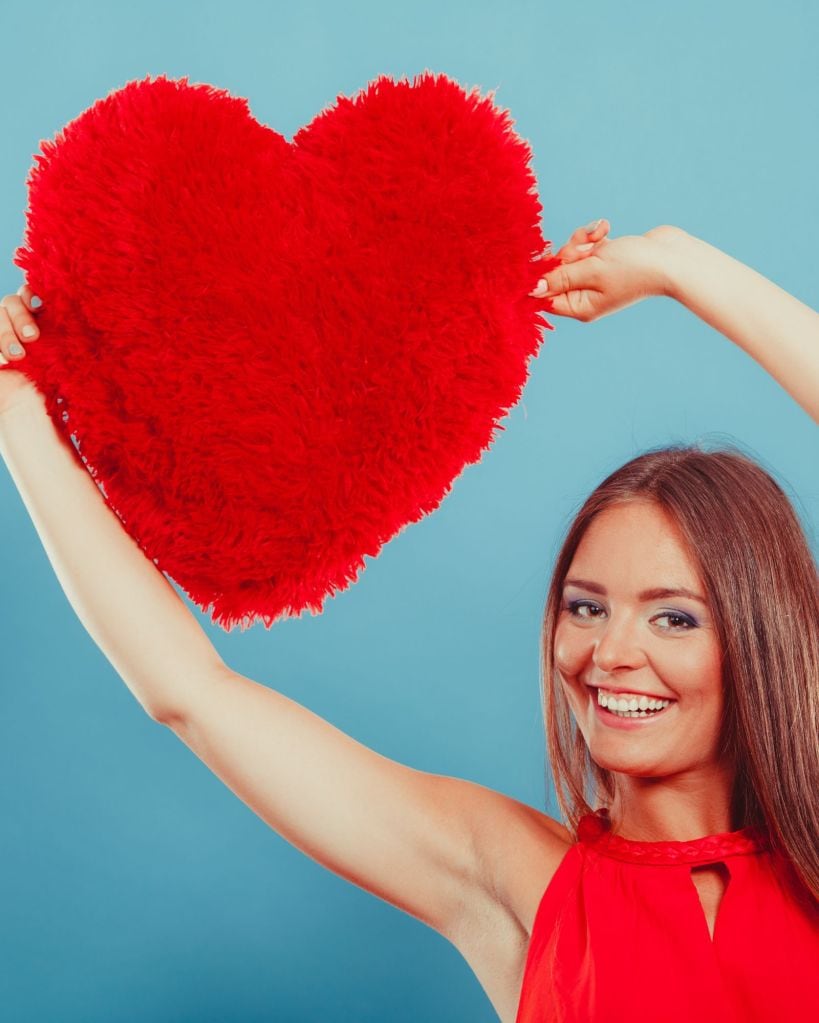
(592, 227)
(541, 289)
(29, 331)
(585, 247)
(36, 301)
(15, 348)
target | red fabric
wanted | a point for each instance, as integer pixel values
(620, 935)
(275, 355)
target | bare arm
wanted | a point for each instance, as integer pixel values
(774, 328)
(126, 604)
(429, 844)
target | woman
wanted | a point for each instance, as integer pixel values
(685, 591)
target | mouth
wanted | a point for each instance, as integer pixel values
(628, 718)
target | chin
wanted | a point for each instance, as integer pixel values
(622, 763)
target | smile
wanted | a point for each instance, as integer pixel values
(624, 711)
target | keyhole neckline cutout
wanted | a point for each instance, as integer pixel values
(594, 830)
(714, 879)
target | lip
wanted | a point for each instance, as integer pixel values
(623, 689)
(612, 721)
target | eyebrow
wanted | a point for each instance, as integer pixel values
(657, 593)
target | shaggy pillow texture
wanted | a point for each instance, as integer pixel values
(272, 356)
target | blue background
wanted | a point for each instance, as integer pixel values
(135, 885)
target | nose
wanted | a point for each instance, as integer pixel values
(618, 645)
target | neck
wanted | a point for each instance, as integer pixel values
(674, 809)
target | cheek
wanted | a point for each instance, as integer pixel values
(572, 649)
(693, 668)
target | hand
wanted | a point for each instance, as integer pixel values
(16, 314)
(610, 275)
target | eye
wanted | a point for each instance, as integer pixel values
(684, 621)
(574, 606)
(680, 622)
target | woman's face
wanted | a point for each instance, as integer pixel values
(613, 633)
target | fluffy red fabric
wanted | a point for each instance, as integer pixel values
(274, 356)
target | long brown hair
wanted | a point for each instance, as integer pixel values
(761, 584)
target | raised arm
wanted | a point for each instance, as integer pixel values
(126, 604)
(427, 843)
(774, 328)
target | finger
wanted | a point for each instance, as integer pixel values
(564, 278)
(560, 306)
(32, 301)
(25, 326)
(10, 345)
(583, 240)
(576, 304)
(592, 231)
(580, 252)
(585, 234)
(597, 229)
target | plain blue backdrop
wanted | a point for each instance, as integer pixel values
(135, 886)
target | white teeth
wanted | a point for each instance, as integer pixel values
(630, 704)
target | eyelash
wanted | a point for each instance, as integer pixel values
(688, 622)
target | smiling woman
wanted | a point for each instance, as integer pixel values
(699, 615)
(680, 657)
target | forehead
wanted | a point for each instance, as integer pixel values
(637, 542)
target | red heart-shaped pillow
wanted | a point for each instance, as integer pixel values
(274, 356)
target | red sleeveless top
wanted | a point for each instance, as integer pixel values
(620, 935)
